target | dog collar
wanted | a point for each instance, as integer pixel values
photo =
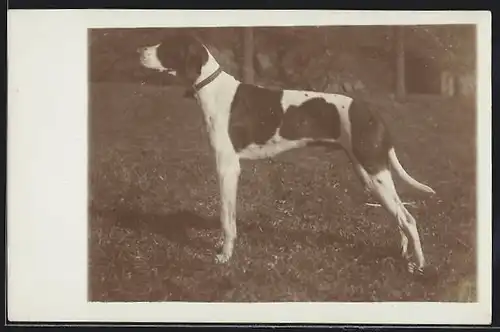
(198, 86)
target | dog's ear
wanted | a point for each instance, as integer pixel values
(195, 57)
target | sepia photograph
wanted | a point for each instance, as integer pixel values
(263, 164)
(249, 167)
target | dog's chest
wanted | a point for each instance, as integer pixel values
(216, 115)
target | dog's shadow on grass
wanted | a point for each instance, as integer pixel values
(176, 226)
(173, 226)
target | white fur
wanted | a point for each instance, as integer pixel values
(273, 147)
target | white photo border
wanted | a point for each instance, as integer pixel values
(47, 172)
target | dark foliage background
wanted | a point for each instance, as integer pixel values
(319, 58)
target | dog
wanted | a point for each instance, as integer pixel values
(246, 121)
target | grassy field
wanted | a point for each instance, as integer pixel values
(305, 233)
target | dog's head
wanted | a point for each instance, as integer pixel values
(182, 56)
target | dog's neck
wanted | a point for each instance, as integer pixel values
(222, 86)
(211, 75)
(208, 73)
(207, 70)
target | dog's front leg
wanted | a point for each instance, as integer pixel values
(228, 169)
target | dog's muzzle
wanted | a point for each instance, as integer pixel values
(149, 59)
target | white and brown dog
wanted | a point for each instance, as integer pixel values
(246, 121)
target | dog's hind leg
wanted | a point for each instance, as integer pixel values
(371, 150)
(228, 169)
(382, 185)
(367, 182)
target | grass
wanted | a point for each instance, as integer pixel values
(305, 233)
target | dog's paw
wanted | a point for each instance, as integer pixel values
(221, 258)
(413, 269)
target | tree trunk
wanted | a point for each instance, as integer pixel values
(400, 61)
(248, 54)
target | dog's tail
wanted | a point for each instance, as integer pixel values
(396, 165)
